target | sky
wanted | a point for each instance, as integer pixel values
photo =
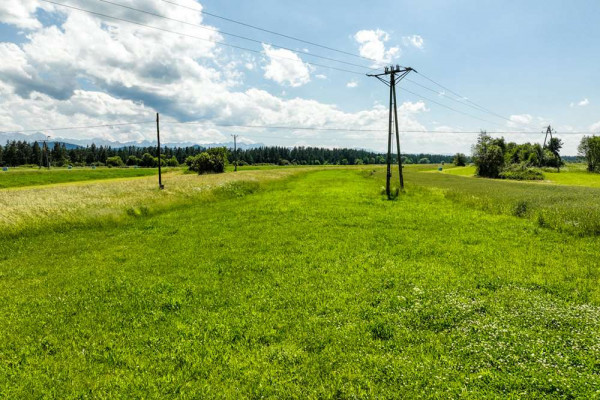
(510, 67)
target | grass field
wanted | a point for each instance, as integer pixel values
(571, 175)
(296, 283)
(35, 177)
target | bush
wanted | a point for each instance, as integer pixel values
(424, 161)
(211, 161)
(460, 160)
(521, 173)
(115, 161)
(172, 162)
(133, 160)
(148, 161)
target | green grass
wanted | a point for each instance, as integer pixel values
(461, 171)
(309, 287)
(35, 177)
(575, 178)
(573, 209)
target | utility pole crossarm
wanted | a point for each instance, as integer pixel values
(394, 70)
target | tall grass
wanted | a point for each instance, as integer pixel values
(573, 209)
(61, 207)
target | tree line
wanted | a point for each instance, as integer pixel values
(19, 153)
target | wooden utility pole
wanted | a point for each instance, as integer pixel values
(235, 160)
(160, 185)
(396, 74)
(549, 132)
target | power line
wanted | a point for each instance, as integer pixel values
(295, 128)
(199, 38)
(245, 49)
(467, 99)
(448, 107)
(457, 100)
(233, 34)
(269, 31)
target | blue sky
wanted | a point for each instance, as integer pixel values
(533, 62)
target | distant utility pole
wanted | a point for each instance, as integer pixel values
(160, 185)
(396, 74)
(235, 162)
(549, 131)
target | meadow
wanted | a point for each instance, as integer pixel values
(299, 283)
(22, 177)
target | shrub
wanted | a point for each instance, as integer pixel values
(172, 162)
(115, 161)
(148, 161)
(210, 161)
(460, 160)
(133, 160)
(521, 173)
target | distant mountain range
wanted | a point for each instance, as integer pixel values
(75, 143)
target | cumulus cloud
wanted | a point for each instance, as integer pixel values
(352, 84)
(414, 41)
(595, 127)
(581, 103)
(372, 45)
(285, 67)
(117, 72)
(21, 13)
(520, 120)
(413, 108)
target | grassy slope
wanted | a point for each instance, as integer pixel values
(36, 177)
(313, 288)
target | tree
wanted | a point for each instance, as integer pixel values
(172, 162)
(210, 161)
(115, 161)
(488, 155)
(424, 160)
(133, 160)
(36, 154)
(148, 161)
(554, 146)
(460, 160)
(589, 148)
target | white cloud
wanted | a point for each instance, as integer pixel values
(520, 120)
(129, 73)
(352, 84)
(372, 45)
(321, 76)
(581, 103)
(595, 127)
(285, 67)
(414, 41)
(413, 108)
(20, 13)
